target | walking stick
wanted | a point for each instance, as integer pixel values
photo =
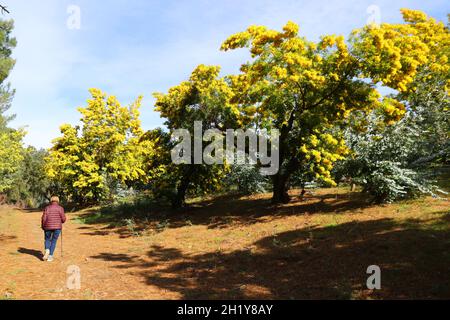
(61, 243)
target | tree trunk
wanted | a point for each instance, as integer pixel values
(179, 199)
(280, 189)
(281, 181)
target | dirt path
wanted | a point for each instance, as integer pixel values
(25, 276)
(318, 248)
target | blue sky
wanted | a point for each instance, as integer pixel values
(136, 47)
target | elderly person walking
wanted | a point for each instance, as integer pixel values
(51, 222)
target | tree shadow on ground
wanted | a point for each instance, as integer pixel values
(5, 237)
(309, 263)
(221, 211)
(116, 257)
(31, 252)
(29, 210)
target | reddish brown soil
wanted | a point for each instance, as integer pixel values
(239, 248)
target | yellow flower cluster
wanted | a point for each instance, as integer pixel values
(393, 110)
(413, 16)
(322, 150)
(293, 45)
(314, 77)
(290, 29)
(394, 53)
(327, 42)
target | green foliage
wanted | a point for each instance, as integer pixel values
(430, 108)
(246, 179)
(6, 96)
(398, 161)
(388, 181)
(11, 153)
(10, 156)
(31, 186)
(7, 44)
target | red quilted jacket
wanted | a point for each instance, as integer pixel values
(53, 217)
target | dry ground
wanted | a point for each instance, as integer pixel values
(238, 248)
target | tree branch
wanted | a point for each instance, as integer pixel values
(4, 9)
(428, 159)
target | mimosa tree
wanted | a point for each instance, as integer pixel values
(106, 151)
(307, 90)
(204, 97)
